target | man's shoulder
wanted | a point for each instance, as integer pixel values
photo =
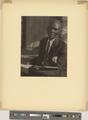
(63, 43)
(62, 47)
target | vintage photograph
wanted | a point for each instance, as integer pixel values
(44, 46)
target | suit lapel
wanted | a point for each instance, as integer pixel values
(44, 44)
(54, 45)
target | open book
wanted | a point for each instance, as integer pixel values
(24, 25)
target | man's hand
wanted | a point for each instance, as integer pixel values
(54, 59)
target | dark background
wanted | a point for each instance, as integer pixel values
(33, 29)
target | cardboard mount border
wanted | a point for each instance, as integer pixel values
(78, 1)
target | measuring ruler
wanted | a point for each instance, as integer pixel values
(42, 115)
(39, 115)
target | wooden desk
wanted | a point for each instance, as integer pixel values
(29, 70)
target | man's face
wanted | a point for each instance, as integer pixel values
(53, 30)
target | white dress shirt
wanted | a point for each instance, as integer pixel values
(51, 42)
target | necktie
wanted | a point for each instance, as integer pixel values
(47, 47)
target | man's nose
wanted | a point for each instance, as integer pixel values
(52, 30)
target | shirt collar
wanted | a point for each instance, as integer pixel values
(51, 40)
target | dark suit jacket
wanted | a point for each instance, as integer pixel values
(59, 49)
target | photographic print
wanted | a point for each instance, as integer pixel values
(44, 46)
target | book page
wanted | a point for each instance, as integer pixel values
(44, 93)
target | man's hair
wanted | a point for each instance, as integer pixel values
(57, 20)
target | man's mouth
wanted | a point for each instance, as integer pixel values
(52, 34)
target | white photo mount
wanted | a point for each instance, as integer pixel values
(78, 1)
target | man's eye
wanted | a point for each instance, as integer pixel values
(51, 28)
(55, 29)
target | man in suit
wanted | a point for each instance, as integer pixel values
(52, 50)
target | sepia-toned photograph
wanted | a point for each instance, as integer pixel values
(44, 46)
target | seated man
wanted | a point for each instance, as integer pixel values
(52, 50)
